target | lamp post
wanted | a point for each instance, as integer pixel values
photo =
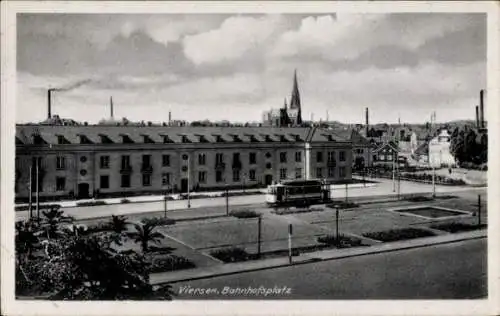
(337, 225)
(37, 189)
(227, 201)
(30, 205)
(165, 203)
(259, 233)
(188, 184)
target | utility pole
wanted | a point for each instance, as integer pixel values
(479, 209)
(37, 189)
(30, 205)
(165, 203)
(259, 233)
(227, 201)
(433, 181)
(393, 174)
(346, 198)
(290, 243)
(189, 176)
(337, 225)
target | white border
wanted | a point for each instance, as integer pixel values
(9, 306)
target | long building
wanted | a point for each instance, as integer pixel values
(89, 161)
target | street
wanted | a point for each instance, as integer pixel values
(384, 187)
(449, 271)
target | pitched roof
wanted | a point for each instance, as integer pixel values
(389, 144)
(141, 134)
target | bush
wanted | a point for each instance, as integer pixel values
(124, 201)
(343, 241)
(418, 198)
(158, 221)
(91, 203)
(399, 234)
(457, 227)
(233, 254)
(170, 263)
(42, 207)
(285, 211)
(100, 227)
(343, 205)
(245, 214)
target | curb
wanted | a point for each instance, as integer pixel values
(313, 260)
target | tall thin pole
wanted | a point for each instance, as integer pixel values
(346, 193)
(188, 182)
(290, 243)
(393, 174)
(478, 209)
(259, 235)
(433, 181)
(227, 201)
(165, 203)
(30, 205)
(37, 189)
(337, 225)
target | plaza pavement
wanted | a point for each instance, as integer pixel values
(383, 188)
(255, 265)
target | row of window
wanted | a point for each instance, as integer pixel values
(104, 161)
(202, 177)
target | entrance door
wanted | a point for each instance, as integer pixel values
(184, 185)
(83, 190)
(268, 179)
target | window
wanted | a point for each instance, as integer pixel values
(319, 156)
(268, 155)
(104, 182)
(236, 175)
(298, 156)
(342, 155)
(165, 178)
(219, 158)
(185, 157)
(283, 173)
(268, 165)
(218, 176)
(389, 157)
(319, 172)
(104, 162)
(202, 159)
(61, 139)
(146, 179)
(202, 177)
(342, 172)
(146, 160)
(331, 172)
(283, 157)
(382, 157)
(252, 159)
(125, 162)
(60, 163)
(251, 175)
(331, 156)
(125, 181)
(185, 139)
(165, 160)
(60, 183)
(298, 173)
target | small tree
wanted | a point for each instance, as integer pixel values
(52, 219)
(144, 234)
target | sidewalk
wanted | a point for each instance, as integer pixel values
(255, 265)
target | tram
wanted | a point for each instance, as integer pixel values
(298, 192)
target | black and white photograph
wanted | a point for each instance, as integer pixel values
(251, 153)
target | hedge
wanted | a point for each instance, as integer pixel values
(91, 203)
(244, 214)
(399, 234)
(158, 221)
(170, 263)
(232, 254)
(343, 241)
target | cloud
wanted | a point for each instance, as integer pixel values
(236, 37)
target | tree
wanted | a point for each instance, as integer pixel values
(144, 234)
(457, 143)
(52, 219)
(26, 240)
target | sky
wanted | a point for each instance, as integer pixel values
(234, 67)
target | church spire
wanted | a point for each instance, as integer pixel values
(295, 100)
(285, 105)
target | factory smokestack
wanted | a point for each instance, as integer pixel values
(48, 103)
(367, 121)
(169, 118)
(477, 117)
(111, 105)
(481, 107)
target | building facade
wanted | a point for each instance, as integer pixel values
(89, 161)
(439, 150)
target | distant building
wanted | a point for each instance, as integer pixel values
(386, 153)
(439, 150)
(283, 117)
(89, 161)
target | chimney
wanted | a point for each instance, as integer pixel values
(481, 108)
(367, 121)
(477, 117)
(49, 114)
(169, 118)
(111, 104)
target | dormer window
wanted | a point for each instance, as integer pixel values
(283, 138)
(105, 139)
(219, 139)
(126, 139)
(253, 139)
(38, 140)
(85, 140)
(297, 137)
(185, 139)
(147, 140)
(62, 140)
(268, 138)
(236, 139)
(166, 139)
